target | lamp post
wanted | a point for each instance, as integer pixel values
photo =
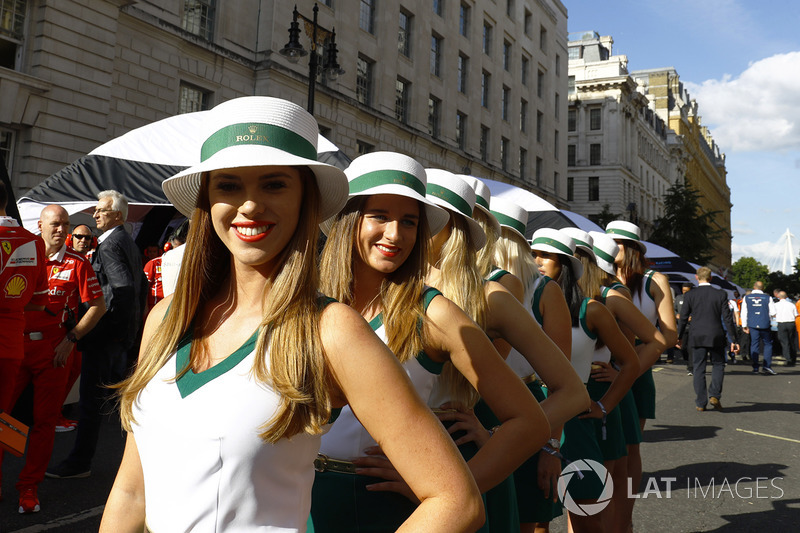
(293, 51)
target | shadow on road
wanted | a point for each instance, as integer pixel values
(783, 513)
(757, 407)
(719, 478)
(664, 433)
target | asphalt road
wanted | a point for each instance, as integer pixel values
(732, 471)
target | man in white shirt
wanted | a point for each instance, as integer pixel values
(785, 313)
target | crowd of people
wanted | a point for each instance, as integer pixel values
(427, 368)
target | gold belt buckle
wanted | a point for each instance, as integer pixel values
(323, 463)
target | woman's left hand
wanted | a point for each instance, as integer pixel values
(466, 421)
(603, 371)
(376, 464)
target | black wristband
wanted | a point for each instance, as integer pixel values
(71, 337)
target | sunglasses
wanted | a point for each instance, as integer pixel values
(81, 237)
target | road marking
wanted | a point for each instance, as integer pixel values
(768, 435)
(659, 369)
(63, 521)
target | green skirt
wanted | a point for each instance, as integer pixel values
(580, 442)
(613, 446)
(630, 419)
(644, 392)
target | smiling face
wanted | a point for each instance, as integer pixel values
(387, 232)
(254, 211)
(549, 264)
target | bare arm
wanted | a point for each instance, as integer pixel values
(629, 316)
(557, 322)
(125, 510)
(514, 285)
(381, 395)
(524, 427)
(666, 308)
(567, 395)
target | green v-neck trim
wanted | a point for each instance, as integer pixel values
(376, 322)
(190, 381)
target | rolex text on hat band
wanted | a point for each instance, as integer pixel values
(552, 242)
(258, 134)
(622, 233)
(451, 198)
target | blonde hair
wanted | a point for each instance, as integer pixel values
(400, 292)
(486, 256)
(513, 253)
(462, 283)
(289, 329)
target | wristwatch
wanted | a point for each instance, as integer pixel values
(554, 443)
(71, 337)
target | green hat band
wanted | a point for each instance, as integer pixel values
(506, 220)
(461, 205)
(623, 233)
(377, 178)
(602, 255)
(261, 134)
(579, 242)
(481, 201)
(554, 243)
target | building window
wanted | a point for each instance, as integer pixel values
(463, 20)
(364, 147)
(404, 37)
(594, 189)
(6, 147)
(506, 56)
(484, 143)
(436, 54)
(486, 79)
(191, 99)
(438, 7)
(571, 155)
(504, 153)
(558, 65)
(558, 105)
(524, 70)
(594, 119)
(571, 85)
(523, 116)
(434, 116)
(528, 22)
(572, 120)
(555, 145)
(539, 166)
(402, 92)
(539, 125)
(543, 39)
(540, 84)
(523, 163)
(505, 102)
(574, 52)
(366, 16)
(594, 154)
(461, 130)
(570, 188)
(510, 8)
(12, 31)
(198, 17)
(487, 38)
(364, 80)
(556, 183)
(463, 72)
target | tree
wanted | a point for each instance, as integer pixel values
(747, 270)
(605, 216)
(685, 228)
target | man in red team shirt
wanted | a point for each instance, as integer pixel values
(50, 337)
(23, 283)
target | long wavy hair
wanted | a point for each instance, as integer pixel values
(572, 291)
(513, 253)
(594, 278)
(289, 332)
(461, 283)
(400, 292)
(632, 268)
(486, 256)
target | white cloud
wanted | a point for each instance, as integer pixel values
(760, 251)
(757, 111)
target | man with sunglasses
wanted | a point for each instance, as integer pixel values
(82, 240)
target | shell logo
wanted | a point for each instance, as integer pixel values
(16, 286)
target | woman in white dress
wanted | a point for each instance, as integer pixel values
(242, 370)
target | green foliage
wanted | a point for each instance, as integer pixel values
(685, 228)
(605, 216)
(780, 281)
(747, 270)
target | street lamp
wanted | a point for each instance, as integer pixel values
(293, 51)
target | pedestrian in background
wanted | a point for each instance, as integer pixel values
(757, 312)
(683, 341)
(785, 315)
(708, 309)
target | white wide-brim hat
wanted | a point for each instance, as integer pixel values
(583, 240)
(510, 215)
(626, 231)
(393, 173)
(450, 192)
(605, 252)
(258, 131)
(556, 242)
(483, 197)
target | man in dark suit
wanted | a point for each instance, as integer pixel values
(117, 263)
(709, 310)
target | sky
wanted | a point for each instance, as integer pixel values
(740, 59)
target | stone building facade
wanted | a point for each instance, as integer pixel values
(470, 86)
